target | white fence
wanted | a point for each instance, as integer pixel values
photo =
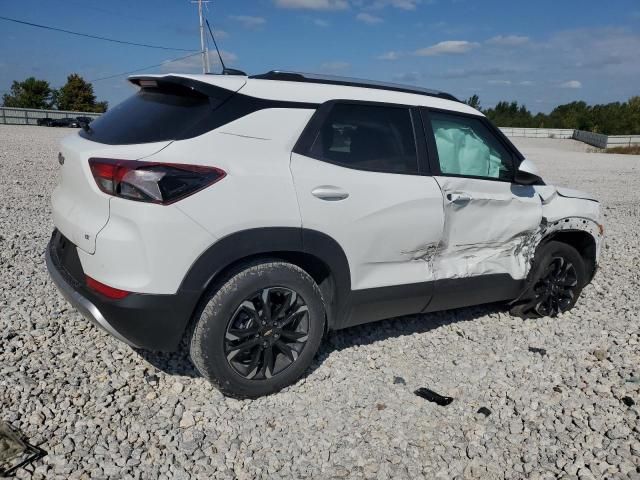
(596, 139)
(537, 132)
(622, 140)
(30, 116)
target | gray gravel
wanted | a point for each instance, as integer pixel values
(101, 410)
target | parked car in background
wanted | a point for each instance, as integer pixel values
(66, 122)
(45, 122)
(251, 215)
(85, 120)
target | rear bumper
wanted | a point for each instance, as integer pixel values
(150, 322)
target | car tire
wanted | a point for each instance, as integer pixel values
(259, 331)
(556, 279)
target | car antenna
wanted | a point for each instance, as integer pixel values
(225, 70)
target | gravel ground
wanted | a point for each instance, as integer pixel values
(102, 410)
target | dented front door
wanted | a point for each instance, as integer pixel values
(489, 220)
(487, 227)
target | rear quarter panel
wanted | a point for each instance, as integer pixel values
(255, 153)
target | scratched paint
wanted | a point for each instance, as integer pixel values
(506, 251)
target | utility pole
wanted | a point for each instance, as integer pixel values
(203, 43)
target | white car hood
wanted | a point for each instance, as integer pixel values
(570, 193)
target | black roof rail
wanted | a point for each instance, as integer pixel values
(351, 82)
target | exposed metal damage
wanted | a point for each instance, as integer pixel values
(507, 252)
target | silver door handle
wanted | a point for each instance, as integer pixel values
(329, 193)
(458, 198)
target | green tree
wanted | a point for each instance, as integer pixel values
(510, 114)
(611, 119)
(77, 94)
(474, 102)
(31, 93)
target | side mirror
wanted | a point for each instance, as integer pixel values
(527, 174)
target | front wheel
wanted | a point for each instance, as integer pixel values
(259, 332)
(554, 284)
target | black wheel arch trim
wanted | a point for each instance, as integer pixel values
(272, 242)
(584, 241)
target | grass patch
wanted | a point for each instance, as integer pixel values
(632, 150)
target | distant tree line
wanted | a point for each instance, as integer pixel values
(76, 95)
(618, 118)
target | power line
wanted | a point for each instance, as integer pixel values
(46, 27)
(145, 68)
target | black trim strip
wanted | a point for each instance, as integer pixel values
(370, 305)
(424, 154)
(351, 82)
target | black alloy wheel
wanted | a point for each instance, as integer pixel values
(267, 333)
(258, 329)
(554, 284)
(557, 289)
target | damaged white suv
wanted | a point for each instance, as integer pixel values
(250, 215)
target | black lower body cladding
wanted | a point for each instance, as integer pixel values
(151, 322)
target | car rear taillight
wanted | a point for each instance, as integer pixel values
(151, 182)
(105, 290)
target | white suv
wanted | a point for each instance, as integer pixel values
(250, 215)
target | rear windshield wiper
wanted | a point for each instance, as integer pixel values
(85, 126)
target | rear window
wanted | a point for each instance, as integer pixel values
(156, 115)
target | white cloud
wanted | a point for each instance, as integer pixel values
(318, 22)
(401, 4)
(345, 4)
(390, 56)
(368, 18)
(335, 66)
(508, 40)
(571, 84)
(450, 47)
(478, 72)
(527, 83)
(313, 4)
(247, 21)
(503, 83)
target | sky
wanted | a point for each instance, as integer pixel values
(541, 53)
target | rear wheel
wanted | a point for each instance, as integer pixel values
(555, 282)
(259, 332)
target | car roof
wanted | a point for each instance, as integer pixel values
(350, 82)
(311, 88)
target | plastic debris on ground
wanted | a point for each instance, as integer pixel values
(484, 411)
(434, 397)
(15, 452)
(541, 351)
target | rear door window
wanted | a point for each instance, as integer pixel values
(368, 137)
(155, 115)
